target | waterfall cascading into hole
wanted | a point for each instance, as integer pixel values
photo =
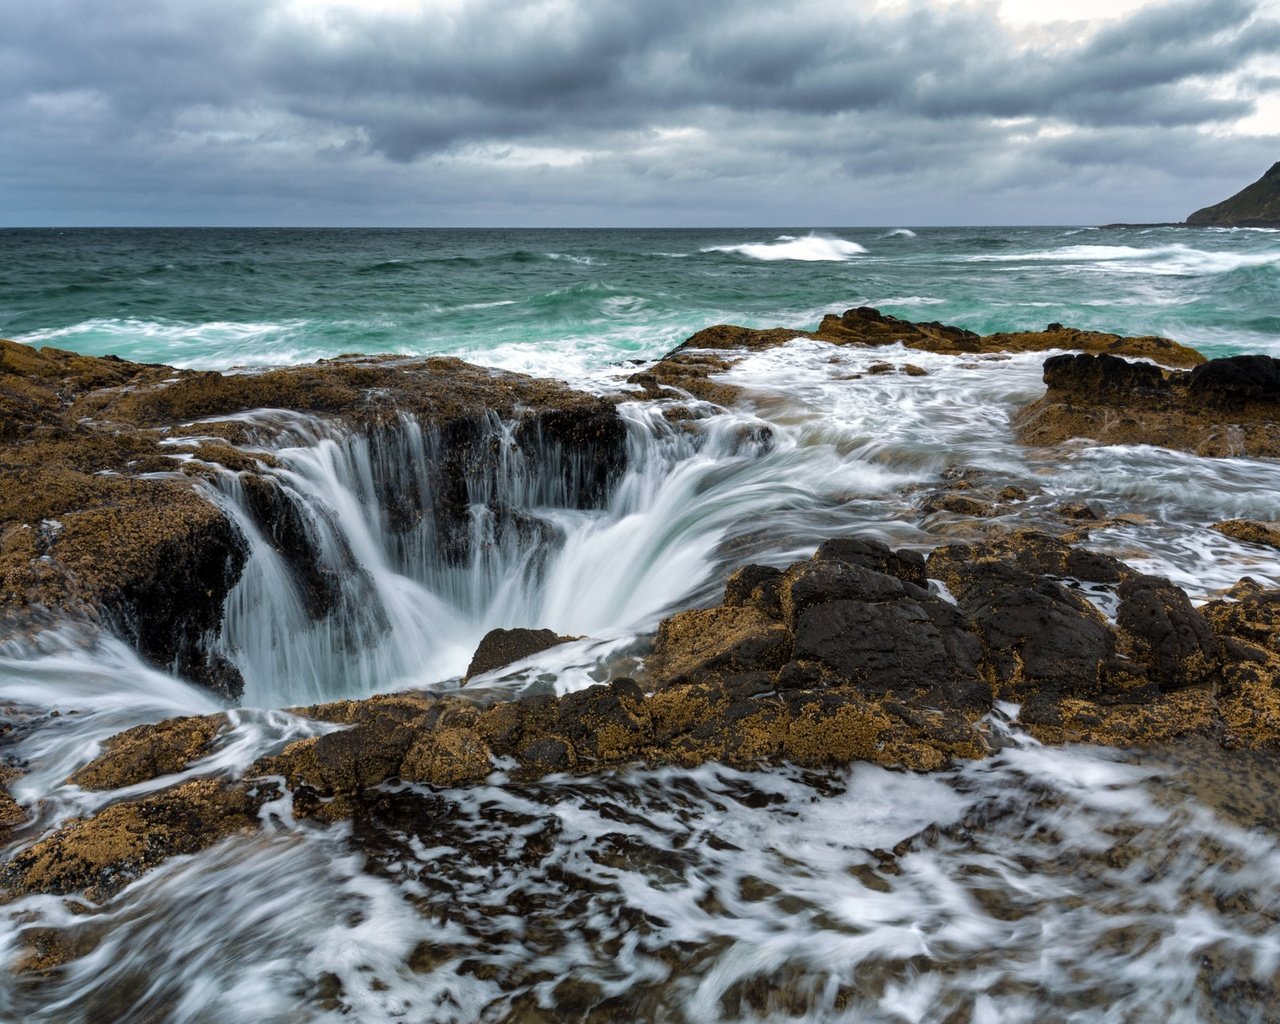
(381, 559)
(367, 574)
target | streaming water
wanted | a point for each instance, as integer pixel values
(1072, 885)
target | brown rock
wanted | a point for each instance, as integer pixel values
(1222, 407)
(100, 855)
(711, 641)
(1250, 531)
(959, 504)
(447, 757)
(502, 647)
(149, 751)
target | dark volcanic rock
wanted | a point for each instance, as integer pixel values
(755, 585)
(869, 553)
(1166, 634)
(826, 662)
(1084, 376)
(100, 523)
(1223, 407)
(501, 647)
(1237, 383)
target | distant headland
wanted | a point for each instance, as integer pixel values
(1256, 206)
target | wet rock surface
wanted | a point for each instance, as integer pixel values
(1251, 531)
(867, 326)
(851, 655)
(98, 856)
(502, 647)
(103, 516)
(1223, 407)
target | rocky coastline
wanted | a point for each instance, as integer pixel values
(859, 653)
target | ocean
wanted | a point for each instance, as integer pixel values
(564, 303)
(1073, 884)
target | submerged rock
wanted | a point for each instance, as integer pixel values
(1221, 408)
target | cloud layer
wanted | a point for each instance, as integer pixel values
(612, 112)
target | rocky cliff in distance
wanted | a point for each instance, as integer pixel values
(1257, 206)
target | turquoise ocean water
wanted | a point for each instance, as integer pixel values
(562, 302)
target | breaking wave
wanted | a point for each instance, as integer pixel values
(1176, 259)
(810, 248)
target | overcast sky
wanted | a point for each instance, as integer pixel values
(631, 112)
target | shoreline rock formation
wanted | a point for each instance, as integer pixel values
(1255, 206)
(1220, 408)
(850, 655)
(103, 518)
(847, 656)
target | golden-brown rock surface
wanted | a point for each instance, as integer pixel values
(1225, 407)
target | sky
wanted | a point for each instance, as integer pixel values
(644, 113)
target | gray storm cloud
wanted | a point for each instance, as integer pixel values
(506, 111)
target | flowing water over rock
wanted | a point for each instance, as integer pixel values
(1044, 884)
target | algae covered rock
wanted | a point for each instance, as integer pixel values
(1223, 407)
(1251, 531)
(147, 752)
(101, 855)
(501, 647)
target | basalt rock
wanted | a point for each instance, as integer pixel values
(1223, 407)
(838, 658)
(1166, 634)
(1251, 531)
(104, 513)
(502, 647)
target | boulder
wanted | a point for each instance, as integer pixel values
(1223, 407)
(502, 647)
(1166, 634)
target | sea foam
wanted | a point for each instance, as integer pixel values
(812, 248)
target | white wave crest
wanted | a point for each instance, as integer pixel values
(1175, 259)
(909, 300)
(899, 233)
(586, 261)
(201, 346)
(810, 249)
